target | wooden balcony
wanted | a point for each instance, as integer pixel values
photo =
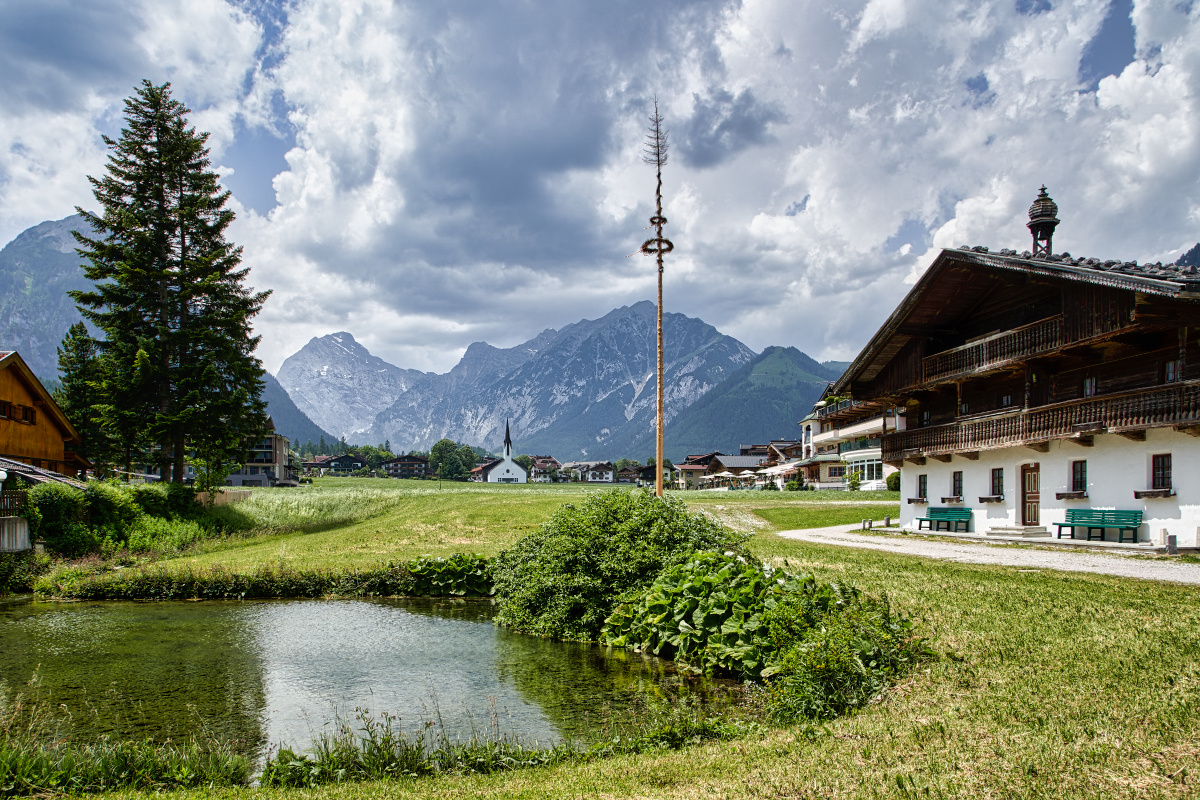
(1162, 406)
(995, 351)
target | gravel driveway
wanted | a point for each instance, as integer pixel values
(1126, 566)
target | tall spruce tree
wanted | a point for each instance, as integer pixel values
(179, 374)
(79, 364)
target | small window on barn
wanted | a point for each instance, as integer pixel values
(997, 481)
(1171, 371)
(1089, 387)
(1006, 400)
(6, 409)
(956, 484)
(923, 486)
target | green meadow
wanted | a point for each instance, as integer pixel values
(1046, 684)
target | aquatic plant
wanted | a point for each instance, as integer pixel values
(460, 575)
(826, 648)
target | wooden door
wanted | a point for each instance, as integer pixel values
(1031, 484)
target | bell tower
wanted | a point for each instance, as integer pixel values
(1042, 221)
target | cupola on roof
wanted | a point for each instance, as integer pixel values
(1043, 218)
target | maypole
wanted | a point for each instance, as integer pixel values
(655, 154)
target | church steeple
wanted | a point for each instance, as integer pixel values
(507, 440)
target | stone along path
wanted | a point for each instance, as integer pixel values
(1027, 557)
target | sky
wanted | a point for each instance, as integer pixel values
(426, 175)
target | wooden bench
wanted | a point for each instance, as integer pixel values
(950, 516)
(1097, 519)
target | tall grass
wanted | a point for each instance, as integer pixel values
(38, 758)
(376, 748)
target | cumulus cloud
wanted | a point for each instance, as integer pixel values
(447, 174)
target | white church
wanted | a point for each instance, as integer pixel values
(504, 470)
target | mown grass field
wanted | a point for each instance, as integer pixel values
(1050, 685)
(347, 522)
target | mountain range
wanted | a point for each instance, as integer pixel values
(37, 269)
(585, 391)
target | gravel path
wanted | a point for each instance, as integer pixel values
(1126, 566)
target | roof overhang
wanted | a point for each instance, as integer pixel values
(897, 329)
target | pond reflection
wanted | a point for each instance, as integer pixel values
(272, 672)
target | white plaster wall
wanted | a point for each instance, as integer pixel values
(1116, 467)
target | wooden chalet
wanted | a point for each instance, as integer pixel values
(33, 429)
(1036, 383)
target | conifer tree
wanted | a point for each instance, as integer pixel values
(78, 363)
(179, 373)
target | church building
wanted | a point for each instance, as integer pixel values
(505, 470)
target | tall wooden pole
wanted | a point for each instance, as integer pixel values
(655, 153)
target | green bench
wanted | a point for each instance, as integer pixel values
(1097, 519)
(950, 516)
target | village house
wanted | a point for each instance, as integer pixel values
(267, 464)
(840, 438)
(1040, 389)
(630, 475)
(410, 466)
(344, 464)
(692, 470)
(33, 429)
(590, 471)
(735, 470)
(545, 469)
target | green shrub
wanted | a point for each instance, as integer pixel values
(836, 657)
(793, 486)
(563, 580)
(110, 508)
(19, 571)
(771, 486)
(893, 482)
(58, 513)
(154, 534)
(152, 497)
(181, 500)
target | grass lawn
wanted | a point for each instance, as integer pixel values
(1054, 685)
(355, 522)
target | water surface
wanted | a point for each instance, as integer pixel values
(281, 671)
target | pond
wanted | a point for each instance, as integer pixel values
(266, 673)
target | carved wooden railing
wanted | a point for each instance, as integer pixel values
(1147, 408)
(1029, 340)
